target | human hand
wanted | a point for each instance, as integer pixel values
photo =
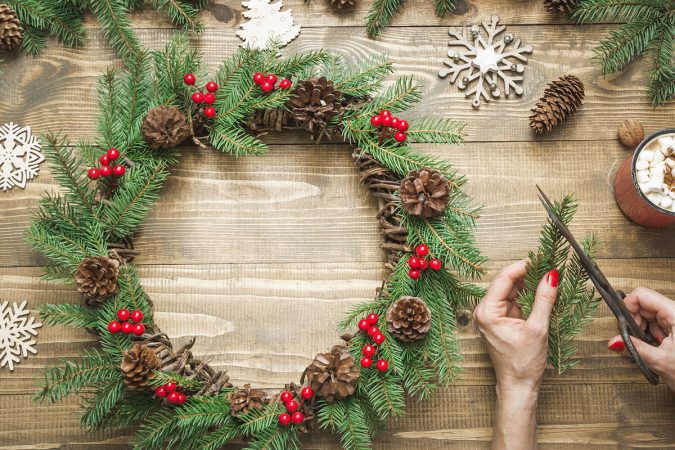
(655, 312)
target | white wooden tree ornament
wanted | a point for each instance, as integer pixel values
(20, 156)
(17, 331)
(267, 24)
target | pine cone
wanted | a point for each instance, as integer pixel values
(561, 99)
(96, 278)
(333, 375)
(314, 103)
(409, 319)
(165, 127)
(339, 4)
(425, 193)
(565, 7)
(11, 33)
(244, 400)
(273, 119)
(138, 365)
(631, 133)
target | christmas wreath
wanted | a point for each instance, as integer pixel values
(403, 341)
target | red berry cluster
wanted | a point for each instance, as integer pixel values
(390, 126)
(293, 415)
(268, 82)
(124, 325)
(105, 170)
(169, 392)
(417, 263)
(200, 97)
(369, 325)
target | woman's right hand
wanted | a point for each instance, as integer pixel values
(656, 313)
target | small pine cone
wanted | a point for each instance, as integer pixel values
(314, 103)
(272, 119)
(631, 133)
(333, 375)
(424, 193)
(138, 364)
(339, 4)
(244, 400)
(96, 279)
(165, 127)
(561, 99)
(564, 7)
(409, 319)
(11, 32)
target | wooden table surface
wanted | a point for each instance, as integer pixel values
(260, 257)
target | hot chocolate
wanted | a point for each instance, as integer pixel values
(655, 171)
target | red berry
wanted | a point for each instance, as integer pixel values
(113, 153)
(104, 160)
(181, 398)
(402, 125)
(376, 121)
(368, 350)
(209, 111)
(364, 324)
(271, 78)
(138, 329)
(137, 316)
(285, 84)
(306, 393)
(366, 362)
(197, 97)
(123, 315)
(422, 250)
(372, 331)
(372, 318)
(285, 418)
(211, 86)
(258, 78)
(127, 328)
(423, 264)
(209, 98)
(266, 86)
(119, 170)
(386, 121)
(189, 79)
(378, 338)
(297, 418)
(414, 274)
(114, 327)
(94, 174)
(286, 396)
(105, 171)
(435, 264)
(385, 113)
(170, 386)
(414, 262)
(394, 122)
(400, 136)
(382, 365)
(173, 398)
(160, 392)
(292, 406)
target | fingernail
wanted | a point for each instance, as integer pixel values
(552, 278)
(617, 346)
(659, 339)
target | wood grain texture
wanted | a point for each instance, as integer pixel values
(244, 252)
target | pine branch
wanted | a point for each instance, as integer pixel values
(380, 15)
(99, 408)
(275, 438)
(444, 6)
(435, 130)
(348, 419)
(68, 315)
(181, 13)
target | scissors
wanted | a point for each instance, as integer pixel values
(613, 298)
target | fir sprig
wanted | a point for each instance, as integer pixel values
(382, 12)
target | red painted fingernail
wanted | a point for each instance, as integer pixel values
(659, 339)
(617, 346)
(552, 278)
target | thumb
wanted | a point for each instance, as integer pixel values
(544, 299)
(650, 354)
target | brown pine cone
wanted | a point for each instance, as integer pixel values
(273, 119)
(564, 7)
(339, 4)
(11, 32)
(561, 99)
(96, 279)
(138, 364)
(165, 127)
(424, 193)
(332, 375)
(409, 319)
(314, 103)
(244, 400)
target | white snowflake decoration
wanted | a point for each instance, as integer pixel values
(20, 156)
(17, 329)
(485, 61)
(267, 24)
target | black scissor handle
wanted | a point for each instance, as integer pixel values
(649, 374)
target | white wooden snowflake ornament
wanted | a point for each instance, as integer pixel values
(20, 156)
(488, 61)
(267, 24)
(17, 331)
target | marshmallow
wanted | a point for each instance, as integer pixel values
(642, 165)
(642, 176)
(671, 194)
(665, 141)
(666, 202)
(646, 155)
(667, 150)
(655, 185)
(655, 197)
(670, 162)
(659, 156)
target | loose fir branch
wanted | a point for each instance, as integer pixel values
(382, 12)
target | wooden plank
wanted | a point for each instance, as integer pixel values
(305, 203)
(57, 90)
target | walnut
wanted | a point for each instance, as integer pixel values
(631, 133)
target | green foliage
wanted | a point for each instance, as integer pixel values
(576, 302)
(649, 29)
(69, 315)
(382, 12)
(348, 419)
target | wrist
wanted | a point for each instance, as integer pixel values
(517, 393)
